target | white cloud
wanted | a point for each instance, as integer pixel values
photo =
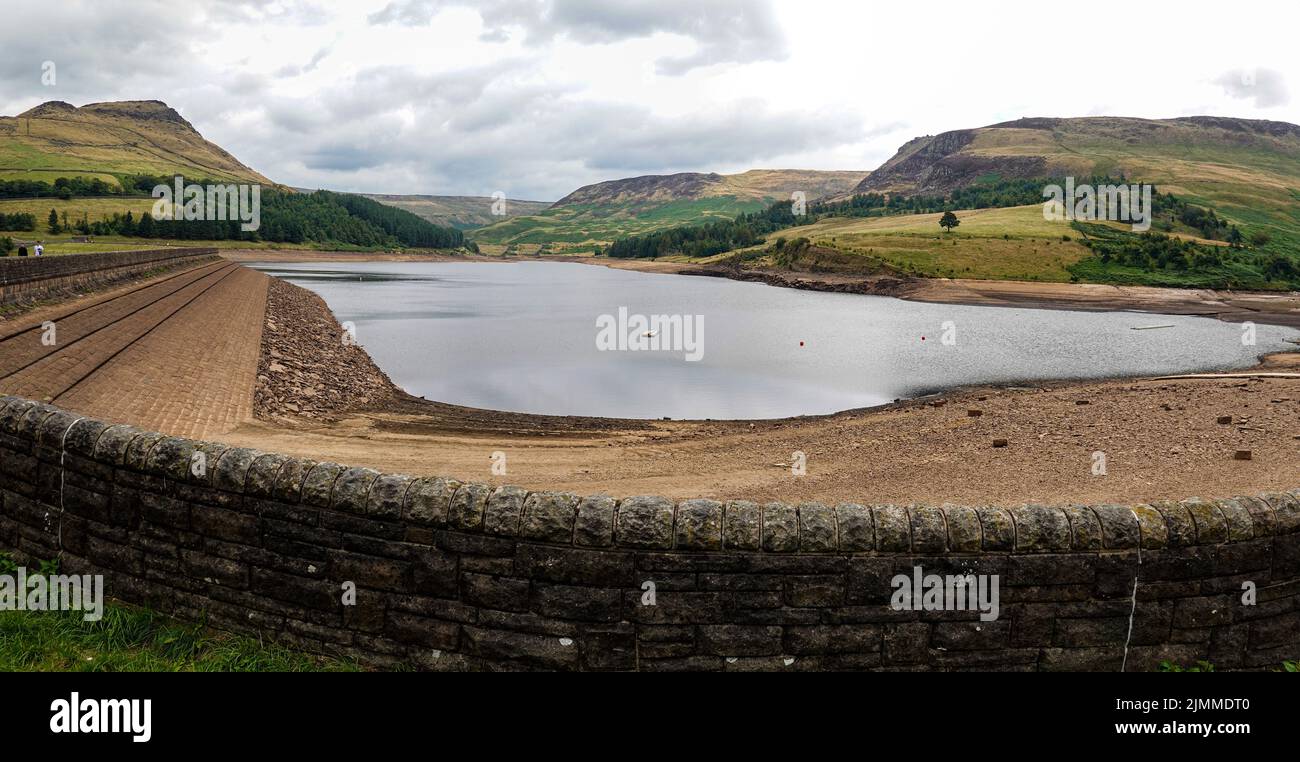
(537, 97)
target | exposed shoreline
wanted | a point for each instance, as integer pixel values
(1161, 438)
(1274, 308)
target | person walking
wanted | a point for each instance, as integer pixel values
(40, 248)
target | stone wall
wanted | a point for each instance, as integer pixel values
(469, 576)
(28, 279)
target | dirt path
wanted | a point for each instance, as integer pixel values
(177, 354)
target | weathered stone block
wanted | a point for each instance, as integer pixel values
(857, 531)
(742, 526)
(998, 530)
(817, 532)
(504, 511)
(594, 524)
(780, 528)
(893, 528)
(1119, 527)
(467, 506)
(699, 525)
(549, 516)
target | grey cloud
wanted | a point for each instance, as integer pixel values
(481, 130)
(139, 51)
(726, 31)
(294, 70)
(1266, 86)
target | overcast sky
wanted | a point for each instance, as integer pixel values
(537, 97)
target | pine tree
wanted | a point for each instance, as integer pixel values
(55, 228)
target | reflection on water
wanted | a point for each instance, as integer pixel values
(521, 336)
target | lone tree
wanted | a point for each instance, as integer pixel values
(949, 221)
(55, 228)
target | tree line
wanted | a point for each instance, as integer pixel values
(18, 221)
(286, 217)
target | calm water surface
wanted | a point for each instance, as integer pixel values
(521, 336)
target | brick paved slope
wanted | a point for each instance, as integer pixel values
(177, 353)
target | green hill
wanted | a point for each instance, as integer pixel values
(603, 212)
(1247, 170)
(460, 212)
(111, 141)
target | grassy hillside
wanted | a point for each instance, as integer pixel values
(603, 212)
(1248, 171)
(460, 212)
(1014, 244)
(110, 141)
(75, 208)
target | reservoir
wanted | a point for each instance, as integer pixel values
(527, 337)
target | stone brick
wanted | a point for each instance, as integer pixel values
(1151, 525)
(740, 640)
(428, 501)
(857, 532)
(467, 506)
(588, 604)
(1286, 512)
(576, 566)
(230, 469)
(998, 530)
(504, 511)
(1180, 530)
(817, 533)
(963, 526)
(262, 475)
(594, 524)
(1119, 527)
(929, 532)
(388, 496)
(501, 593)
(352, 490)
(289, 482)
(699, 525)
(318, 486)
(780, 528)
(893, 528)
(1210, 524)
(1239, 523)
(832, 639)
(742, 526)
(962, 636)
(549, 516)
(644, 522)
(112, 444)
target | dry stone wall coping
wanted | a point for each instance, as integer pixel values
(650, 522)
